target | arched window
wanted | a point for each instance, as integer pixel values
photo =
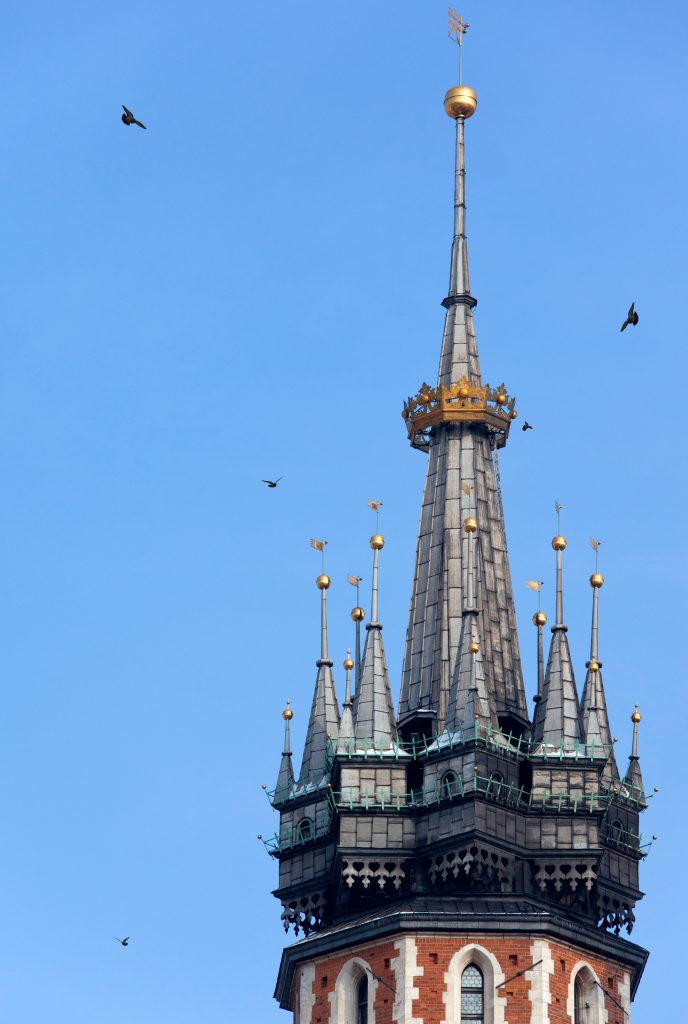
(450, 784)
(579, 1003)
(362, 1001)
(305, 830)
(617, 831)
(472, 996)
(496, 783)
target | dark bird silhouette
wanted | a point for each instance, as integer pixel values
(632, 318)
(128, 118)
(122, 942)
(527, 426)
(272, 483)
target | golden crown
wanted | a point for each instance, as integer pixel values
(462, 402)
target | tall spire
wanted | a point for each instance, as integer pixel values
(346, 726)
(373, 707)
(285, 778)
(557, 715)
(633, 779)
(594, 716)
(469, 700)
(323, 723)
(539, 620)
(357, 615)
(459, 424)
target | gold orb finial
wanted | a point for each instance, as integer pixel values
(594, 665)
(288, 714)
(357, 614)
(460, 101)
(539, 619)
(377, 542)
(323, 581)
(636, 716)
(473, 646)
(348, 662)
(558, 542)
(470, 524)
(596, 580)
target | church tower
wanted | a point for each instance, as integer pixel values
(456, 862)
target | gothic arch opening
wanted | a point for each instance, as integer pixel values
(353, 999)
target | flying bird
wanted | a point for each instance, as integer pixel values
(122, 942)
(632, 318)
(272, 483)
(128, 118)
(527, 426)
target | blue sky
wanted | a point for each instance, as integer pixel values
(250, 288)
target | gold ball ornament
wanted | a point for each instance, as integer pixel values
(463, 392)
(514, 414)
(425, 398)
(596, 580)
(470, 525)
(636, 716)
(377, 542)
(559, 542)
(473, 646)
(594, 666)
(460, 101)
(357, 614)
(348, 663)
(501, 398)
(323, 581)
(539, 619)
(288, 714)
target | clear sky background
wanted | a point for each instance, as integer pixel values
(250, 288)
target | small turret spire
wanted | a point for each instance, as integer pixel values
(285, 778)
(469, 700)
(557, 715)
(374, 718)
(539, 620)
(323, 723)
(358, 615)
(594, 715)
(346, 727)
(633, 779)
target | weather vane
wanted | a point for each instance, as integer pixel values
(537, 586)
(557, 509)
(595, 545)
(355, 581)
(319, 545)
(376, 506)
(457, 30)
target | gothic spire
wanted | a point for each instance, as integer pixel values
(346, 726)
(469, 699)
(633, 779)
(539, 620)
(594, 716)
(373, 707)
(557, 715)
(457, 428)
(323, 723)
(285, 778)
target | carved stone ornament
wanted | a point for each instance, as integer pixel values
(614, 913)
(306, 913)
(477, 863)
(369, 872)
(559, 875)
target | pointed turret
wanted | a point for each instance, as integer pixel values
(557, 715)
(594, 716)
(469, 700)
(633, 779)
(539, 620)
(323, 723)
(346, 726)
(460, 424)
(373, 707)
(285, 778)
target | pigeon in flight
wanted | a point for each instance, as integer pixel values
(122, 942)
(272, 483)
(128, 118)
(632, 318)
(527, 426)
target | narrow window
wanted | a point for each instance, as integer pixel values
(304, 830)
(579, 1003)
(472, 996)
(450, 786)
(362, 1001)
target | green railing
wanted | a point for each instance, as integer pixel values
(508, 744)
(354, 798)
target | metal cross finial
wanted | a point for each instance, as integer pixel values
(457, 30)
